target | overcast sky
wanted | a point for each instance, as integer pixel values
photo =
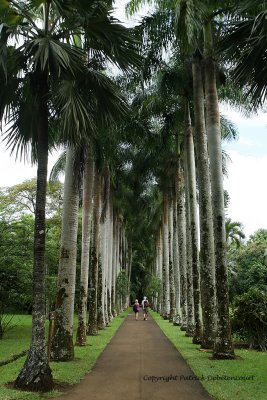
(246, 182)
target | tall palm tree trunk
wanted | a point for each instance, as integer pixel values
(207, 264)
(223, 342)
(62, 348)
(92, 329)
(181, 231)
(190, 323)
(194, 232)
(159, 272)
(171, 269)
(109, 265)
(102, 267)
(36, 374)
(114, 264)
(176, 266)
(88, 181)
(165, 268)
(129, 262)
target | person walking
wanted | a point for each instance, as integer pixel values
(145, 305)
(136, 309)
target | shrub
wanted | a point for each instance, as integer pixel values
(5, 321)
(250, 318)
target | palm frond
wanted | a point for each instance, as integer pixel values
(190, 15)
(58, 168)
(133, 6)
(104, 34)
(252, 28)
(76, 119)
(109, 105)
(228, 129)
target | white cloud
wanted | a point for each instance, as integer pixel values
(246, 184)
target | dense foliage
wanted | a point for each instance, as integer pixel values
(16, 244)
(248, 289)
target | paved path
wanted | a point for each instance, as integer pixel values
(134, 365)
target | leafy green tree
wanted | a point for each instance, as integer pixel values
(247, 265)
(20, 200)
(17, 223)
(16, 240)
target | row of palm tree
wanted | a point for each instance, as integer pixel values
(195, 32)
(53, 91)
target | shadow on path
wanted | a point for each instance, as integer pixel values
(139, 363)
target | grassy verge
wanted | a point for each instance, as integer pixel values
(240, 379)
(69, 373)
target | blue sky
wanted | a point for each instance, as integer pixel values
(252, 134)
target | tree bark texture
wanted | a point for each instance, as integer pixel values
(171, 270)
(62, 348)
(181, 230)
(36, 374)
(191, 172)
(176, 267)
(223, 343)
(207, 263)
(88, 182)
(165, 268)
(189, 270)
(92, 329)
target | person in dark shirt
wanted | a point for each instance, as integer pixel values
(136, 309)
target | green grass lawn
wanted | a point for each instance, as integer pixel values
(18, 339)
(215, 375)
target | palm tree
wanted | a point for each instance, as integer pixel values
(234, 233)
(207, 266)
(108, 104)
(30, 66)
(223, 343)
